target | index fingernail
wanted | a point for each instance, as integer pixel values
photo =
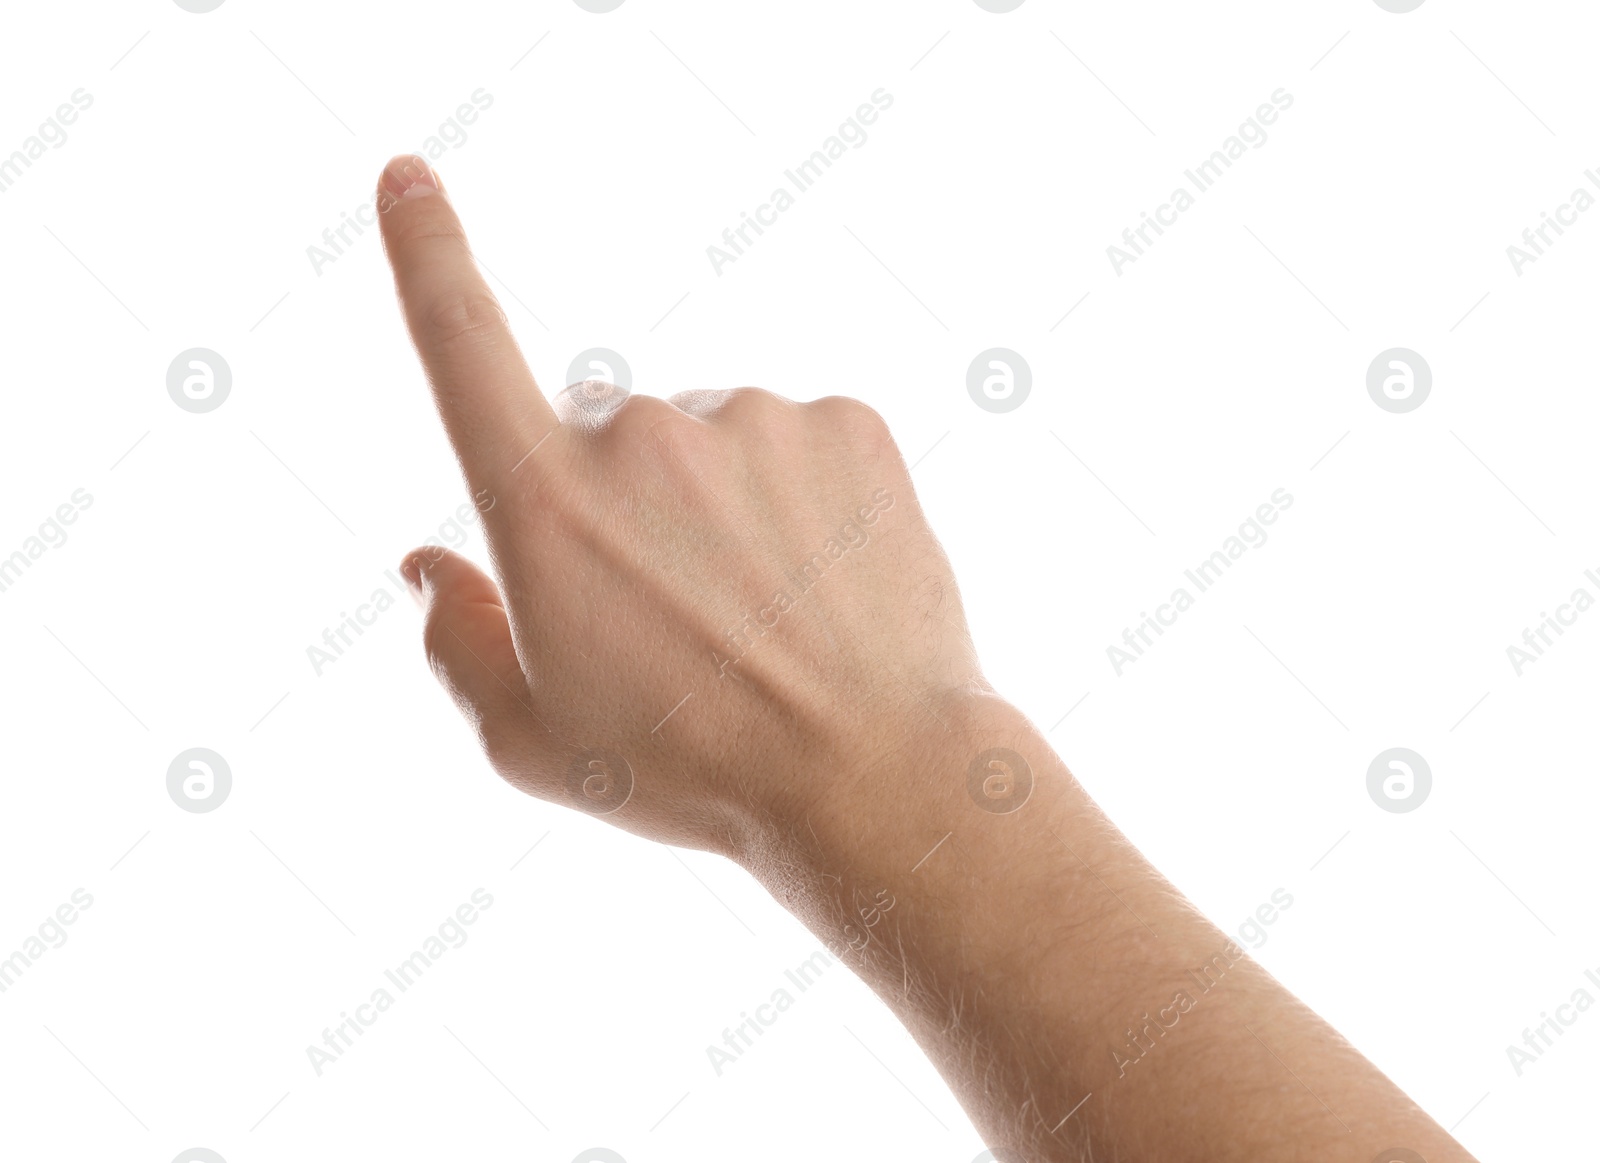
(410, 177)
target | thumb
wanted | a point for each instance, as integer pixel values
(468, 642)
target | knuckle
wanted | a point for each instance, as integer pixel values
(739, 405)
(755, 404)
(703, 403)
(851, 417)
(589, 405)
(754, 398)
(631, 424)
(645, 416)
(639, 416)
(657, 428)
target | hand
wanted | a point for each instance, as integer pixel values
(722, 622)
(711, 612)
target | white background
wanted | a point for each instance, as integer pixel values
(1226, 363)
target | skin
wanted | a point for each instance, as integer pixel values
(722, 622)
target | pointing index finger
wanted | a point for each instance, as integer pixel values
(491, 406)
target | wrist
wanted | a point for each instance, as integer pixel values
(967, 803)
(895, 776)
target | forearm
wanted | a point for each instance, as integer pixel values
(1077, 1004)
(1049, 970)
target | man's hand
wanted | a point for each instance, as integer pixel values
(722, 622)
(712, 611)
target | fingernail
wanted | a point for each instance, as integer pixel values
(409, 176)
